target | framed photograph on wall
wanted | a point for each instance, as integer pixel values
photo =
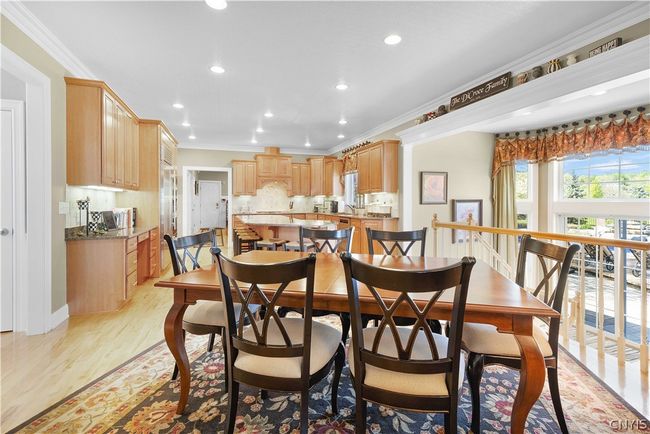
(460, 211)
(433, 188)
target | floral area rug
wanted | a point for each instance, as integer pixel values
(139, 397)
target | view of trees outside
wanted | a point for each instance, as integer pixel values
(613, 176)
(521, 180)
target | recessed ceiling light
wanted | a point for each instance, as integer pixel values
(392, 39)
(217, 69)
(259, 130)
(268, 115)
(341, 86)
(341, 136)
(599, 92)
(253, 140)
(217, 4)
(192, 137)
(307, 144)
(178, 105)
(185, 124)
(343, 122)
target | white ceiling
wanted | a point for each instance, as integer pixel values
(288, 56)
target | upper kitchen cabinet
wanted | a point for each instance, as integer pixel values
(102, 136)
(244, 177)
(300, 179)
(326, 176)
(273, 167)
(377, 167)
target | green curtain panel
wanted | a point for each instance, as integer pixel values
(504, 213)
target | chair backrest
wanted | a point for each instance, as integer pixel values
(398, 241)
(190, 246)
(400, 284)
(256, 278)
(553, 260)
(331, 239)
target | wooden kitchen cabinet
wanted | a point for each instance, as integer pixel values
(325, 176)
(377, 167)
(300, 179)
(244, 177)
(360, 240)
(102, 139)
(273, 165)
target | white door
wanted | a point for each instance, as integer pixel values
(8, 137)
(209, 202)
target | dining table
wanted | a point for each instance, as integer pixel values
(492, 299)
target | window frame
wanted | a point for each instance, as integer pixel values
(530, 206)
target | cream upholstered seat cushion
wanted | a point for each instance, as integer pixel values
(324, 343)
(405, 383)
(296, 244)
(208, 313)
(485, 339)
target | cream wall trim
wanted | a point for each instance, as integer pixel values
(624, 65)
(252, 149)
(27, 22)
(622, 19)
(407, 189)
(37, 283)
(59, 316)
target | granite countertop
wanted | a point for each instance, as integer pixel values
(79, 233)
(283, 213)
(281, 220)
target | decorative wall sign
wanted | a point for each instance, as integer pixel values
(487, 89)
(460, 211)
(433, 188)
(616, 42)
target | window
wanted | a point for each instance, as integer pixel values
(613, 176)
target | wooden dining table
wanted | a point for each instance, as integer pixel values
(492, 299)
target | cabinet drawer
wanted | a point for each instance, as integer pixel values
(131, 262)
(131, 244)
(153, 252)
(153, 266)
(153, 235)
(143, 237)
(131, 281)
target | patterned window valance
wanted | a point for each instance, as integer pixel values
(613, 135)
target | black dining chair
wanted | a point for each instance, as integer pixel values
(407, 367)
(326, 241)
(273, 353)
(486, 346)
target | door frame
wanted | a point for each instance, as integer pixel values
(34, 276)
(187, 198)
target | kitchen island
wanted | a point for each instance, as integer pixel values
(282, 226)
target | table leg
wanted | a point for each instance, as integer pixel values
(176, 344)
(531, 381)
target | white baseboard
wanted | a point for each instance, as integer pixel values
(59, 316)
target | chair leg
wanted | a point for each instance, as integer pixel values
(264, 394)
(474, 373)
(282, 312)
(451, 418)
(226, 363)
(304, 410)
(361, 414)
(339, 362)
(554, 387)
(345, 325)
(233, 400)
(211, 343)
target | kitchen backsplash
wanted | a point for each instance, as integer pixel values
(100, 200)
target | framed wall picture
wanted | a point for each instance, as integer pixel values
(433, 188)
(460, 211)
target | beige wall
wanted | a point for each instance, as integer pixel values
(467, 158)
(12, 38)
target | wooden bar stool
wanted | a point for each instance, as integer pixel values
(270, 244)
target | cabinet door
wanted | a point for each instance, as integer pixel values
(109, 127)
(374, 225)
(316, 184)
(376, 169)
(238, 178)
(135, 153)
(356, 237)
(283, 166)
(266, 165)
(304, 180)
(295, 181)
(250, 178)
(328, 178)
(128, 152)
(120, 145)
(363, 169)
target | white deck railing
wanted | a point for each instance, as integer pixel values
(609, 282)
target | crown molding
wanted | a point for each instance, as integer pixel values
(617, 21)
(250, 149)
(31, 26)
(626, 64)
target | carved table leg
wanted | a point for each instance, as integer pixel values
(531, 381)
(176, 344)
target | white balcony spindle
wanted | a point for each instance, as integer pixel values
(619, 302)
(644, 313)
(580, 322)
(600, 301)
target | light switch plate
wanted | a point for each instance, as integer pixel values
(64, 207)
